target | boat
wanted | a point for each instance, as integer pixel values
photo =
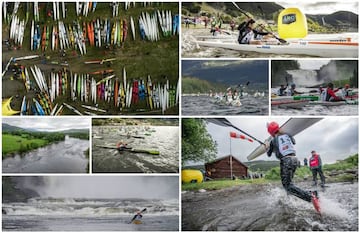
(289, 103)
(310, 48)
(335, 103)
(293, 126)
(6, 108)
(132, 150)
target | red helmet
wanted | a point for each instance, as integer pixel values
(273, 128)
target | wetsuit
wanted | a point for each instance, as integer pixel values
(247, 34)
(315, 166)
(283, 147)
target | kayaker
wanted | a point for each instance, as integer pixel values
(282, 90)
(282, 145)
(248, 34)
(330, 93)
(121, 146)
(346, 92)
(315, 167)
(232, 25)
(292, 91)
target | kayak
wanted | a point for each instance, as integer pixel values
(137, 222)
(286, 103)
(336, 103)
(310, 48)
(132, 150)
(293, 126)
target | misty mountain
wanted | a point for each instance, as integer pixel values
(338, 19)
(11, 128)
(227, 72)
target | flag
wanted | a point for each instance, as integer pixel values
(241, 136)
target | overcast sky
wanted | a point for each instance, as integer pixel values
(148, 187)
(333, 138)
(49, 124)
(312, 64)
(311, 7)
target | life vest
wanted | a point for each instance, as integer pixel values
(285, 145)
(245, 35)
(314, 161)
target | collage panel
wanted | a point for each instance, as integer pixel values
(225, 87)
(314, 87)
(270, 174)
(45, 145)
(90, 203)
(135, 145)
(104, 58)
(270, 29)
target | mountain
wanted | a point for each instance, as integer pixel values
(69, 131)
(227, 72)
(338, 20)
(261, 165)
(10, 128)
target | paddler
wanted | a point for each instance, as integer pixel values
(138, 216)
(292, 91)
(315, 167)
(121, 146)
(249, 35)
(282, 90)
(330, 93)
(282, 145)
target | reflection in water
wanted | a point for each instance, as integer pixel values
(165, 139)
(62, 157)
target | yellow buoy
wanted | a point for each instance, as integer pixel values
(292, 24)
(191, 176)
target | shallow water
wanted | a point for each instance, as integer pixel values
(204, 105)
(165, 139)
(61, 157)
(41, 214)
(269, 208)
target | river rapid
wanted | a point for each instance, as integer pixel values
(269, 208)
(164, 139)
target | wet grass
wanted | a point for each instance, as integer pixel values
(12, 144)
(221, 184)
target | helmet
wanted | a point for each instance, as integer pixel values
(347, 85)
(293, 85)
(273, 128)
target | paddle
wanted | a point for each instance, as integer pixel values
(136, 215)
(279, 39)
(132, 150)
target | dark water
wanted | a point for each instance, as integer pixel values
(205, 105)
(90, 215)
(62, 157)
(269, 208)
(165, 139)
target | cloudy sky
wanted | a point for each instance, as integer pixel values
(312, 64)
(333, 138)
(148, 187)
(310, 7)
(49, 124)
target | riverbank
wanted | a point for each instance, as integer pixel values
(267, 207)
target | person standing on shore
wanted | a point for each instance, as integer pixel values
(315, 167)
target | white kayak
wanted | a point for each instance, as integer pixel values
(293, 126)
(309, 48)
(287, 103)
(336, 103)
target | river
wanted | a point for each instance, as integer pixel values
(204, 105)
(269, 208)
(164, 139)
(62, 157)
(70, 214)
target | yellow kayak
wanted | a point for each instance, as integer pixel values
(6, 108)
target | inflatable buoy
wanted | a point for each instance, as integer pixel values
(191, 176)
(292, 24)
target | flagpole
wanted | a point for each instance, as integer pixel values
(231, 175)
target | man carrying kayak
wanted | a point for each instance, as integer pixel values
(249, 35)
(315, 166)
(282, 145)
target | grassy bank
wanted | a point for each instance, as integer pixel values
(221, 184)
(20, 144)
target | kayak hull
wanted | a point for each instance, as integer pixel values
(309, 48)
